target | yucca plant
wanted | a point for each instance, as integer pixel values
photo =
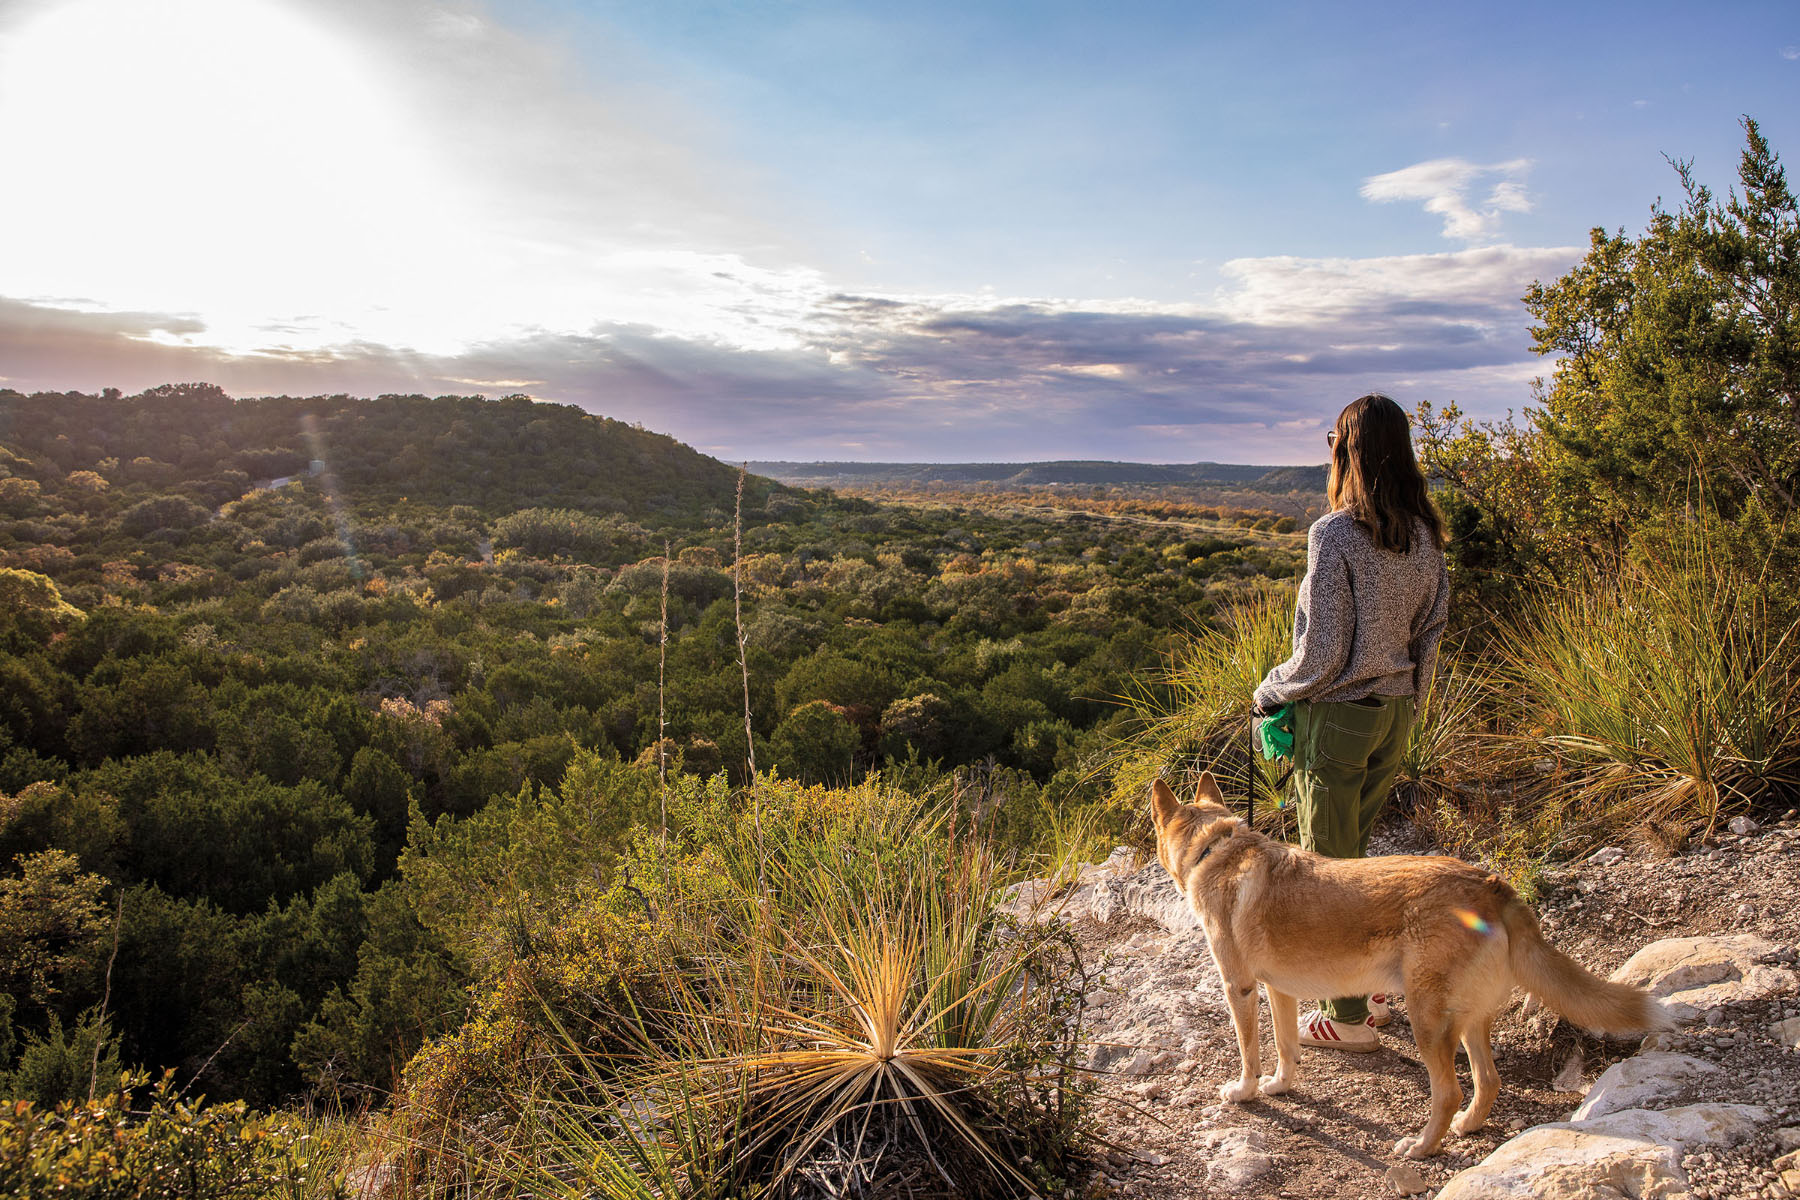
(1659, 693)
(863, 1010)
(1453, 737)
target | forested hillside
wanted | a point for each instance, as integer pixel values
(253, 649)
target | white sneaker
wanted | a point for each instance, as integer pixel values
(1379, 1011)
(1317, 1029)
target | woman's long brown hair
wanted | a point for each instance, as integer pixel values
(1376, 478)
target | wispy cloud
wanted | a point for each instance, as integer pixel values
(1444, 186)
(1252, 375)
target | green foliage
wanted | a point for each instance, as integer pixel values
(1681, 355)
(270, 680)
(815, 743)
(163, 514)
(64, 1065)
(161, 1148)
(570, 533)
(51, 923)
(492, 883)
(32, 610)
(1195, 714)
(197, 831)
(1676, 388)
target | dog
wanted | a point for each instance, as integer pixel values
(1453, 938)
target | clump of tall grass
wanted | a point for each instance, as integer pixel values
(1193, 715)
(827, 998)
(1658, 694)
(1450, 752)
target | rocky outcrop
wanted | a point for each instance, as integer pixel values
(1642, 1081)
(1696, 975)
(1633, 1136)
(1635, 1153)
(1112, 890)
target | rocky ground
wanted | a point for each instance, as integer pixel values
(1711, 1111)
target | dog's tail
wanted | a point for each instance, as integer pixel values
(1569, 988)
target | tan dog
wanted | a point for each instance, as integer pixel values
(1453, 938)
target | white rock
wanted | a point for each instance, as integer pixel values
(1635, 1153)
(1139, 1064)
(1742, 826)
(1236, 1158)
(1606, 856)
(1568, 1076)
(1640, 1081)
(1693, 974)
(1148, 892)
(1787, 1032)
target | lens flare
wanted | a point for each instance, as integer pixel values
(321, 470)
(1472, 922)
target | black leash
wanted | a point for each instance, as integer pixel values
(1250, 792)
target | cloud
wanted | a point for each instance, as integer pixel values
(1444, 184)
(1250, 376)
(1791, 53)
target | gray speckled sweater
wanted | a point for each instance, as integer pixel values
(1368, 620)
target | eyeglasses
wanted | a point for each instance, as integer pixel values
(1331, 438)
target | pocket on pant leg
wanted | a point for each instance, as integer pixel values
(1348, 734)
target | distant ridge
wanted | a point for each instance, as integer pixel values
(1044, 474)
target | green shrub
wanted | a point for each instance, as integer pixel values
(168, 1148)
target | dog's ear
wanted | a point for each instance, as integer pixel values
(1163, 804)
(1209, 790)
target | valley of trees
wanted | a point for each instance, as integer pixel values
(253, 649)
(332, 736)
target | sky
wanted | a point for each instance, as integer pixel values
(787, 229)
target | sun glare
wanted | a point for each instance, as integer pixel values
(233, 159)
(252, 165)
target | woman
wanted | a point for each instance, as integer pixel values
(1366, 630)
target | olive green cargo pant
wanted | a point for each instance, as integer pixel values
(1346, 755)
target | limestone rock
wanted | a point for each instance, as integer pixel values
(1109, 891)
(1635, 1153)
(1236, 1159)
(1787, 1032)
(1694, 974)
(1146, 892)
(1640, 1081)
